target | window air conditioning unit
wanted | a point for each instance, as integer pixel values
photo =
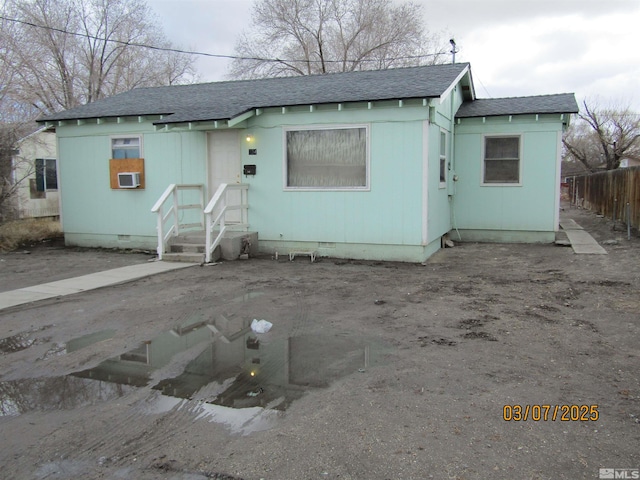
(128, 179)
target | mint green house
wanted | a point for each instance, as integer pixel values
(370, 165)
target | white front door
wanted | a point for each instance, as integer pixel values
(225, 165)
(224, 158)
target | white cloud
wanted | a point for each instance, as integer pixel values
(515, 47)
(588, 55)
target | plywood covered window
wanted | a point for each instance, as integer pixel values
(335, 158)
(127, 160)
(501, 160)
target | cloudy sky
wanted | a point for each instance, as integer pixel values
(515, 47)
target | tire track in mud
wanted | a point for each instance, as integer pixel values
(120, 439)
(114, 443)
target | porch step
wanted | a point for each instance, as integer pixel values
(190, 247)
(184, 257)
(187, 248)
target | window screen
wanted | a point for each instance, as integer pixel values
(502, 160)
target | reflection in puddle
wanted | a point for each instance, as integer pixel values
(77, 344)
(241, 421)
(247, 297)
(86, 340)
(22, 341)
(220, 370)
(57, 393)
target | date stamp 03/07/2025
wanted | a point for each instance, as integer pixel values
(565, 413)
(545, 413)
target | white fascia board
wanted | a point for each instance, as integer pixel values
(41, 129)
(446, 93)
(241, 118)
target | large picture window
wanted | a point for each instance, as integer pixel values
(501, 160)
(327, 158)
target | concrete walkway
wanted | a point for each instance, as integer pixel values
(581, 241)
(86, 282)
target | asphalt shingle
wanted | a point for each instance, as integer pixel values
(488, 107)
(226, 100)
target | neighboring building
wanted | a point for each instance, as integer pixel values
(371, 165)
(629, 162)
(34, 166)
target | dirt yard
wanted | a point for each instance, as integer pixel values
(371, 371)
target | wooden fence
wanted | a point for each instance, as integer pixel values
(608, 193)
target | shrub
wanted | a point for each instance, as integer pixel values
(25, 232)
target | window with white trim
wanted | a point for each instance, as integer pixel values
(126, 147)
(332, 158)
(443, 158)
(501, 160)
(46, 178)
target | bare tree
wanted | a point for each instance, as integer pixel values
(58, 54)
(304, 37)
(14, 169)
(603, 136)
(64, 53)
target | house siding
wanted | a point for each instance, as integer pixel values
(439, 213)
(96, 215)
(401, 215)
(383, 222)
(522, 213)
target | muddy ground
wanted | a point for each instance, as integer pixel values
(391, 371)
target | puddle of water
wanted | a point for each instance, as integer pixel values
(247, 297)
(86, 340)
(242, 421)
(22, 341)
(77, 344)
(220, 370)
(57, 393)
(250, 372)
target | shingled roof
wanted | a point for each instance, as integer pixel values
(488, 107)
(227, 100)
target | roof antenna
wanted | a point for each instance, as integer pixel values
(454, 50)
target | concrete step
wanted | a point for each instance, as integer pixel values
(183, 257)
(196, 255)
(194, 237)
(187, 248)
(190, 246)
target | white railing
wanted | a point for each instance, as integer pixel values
(220, 205)
(172, 214)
